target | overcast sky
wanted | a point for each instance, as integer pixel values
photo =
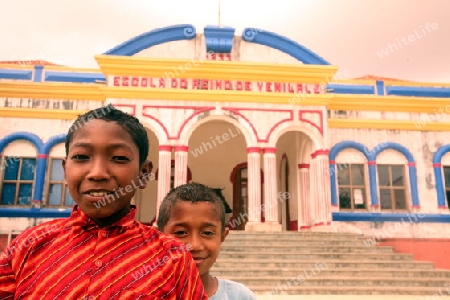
(350, 34)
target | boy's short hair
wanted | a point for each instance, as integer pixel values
(192, 192)
(111, 114)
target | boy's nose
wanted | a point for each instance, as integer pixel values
(196, 243)
(98, 170)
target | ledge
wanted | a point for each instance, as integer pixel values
(394, 217)
(223, 70)
(15, 212)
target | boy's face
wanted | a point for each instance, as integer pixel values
(102, 168)
(198, 224)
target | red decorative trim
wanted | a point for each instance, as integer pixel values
(197, 110)
(416, 206)
(167, 148)
(133, 107)
(438, 165)
(241, 166)
(411, 164)
(270, 150)
(306, 120)
(42, 156)
(332, 162)
(320, 152)
(181, 148)
(236, 110)
(253, 150)
(375, 205)
(334, 205)
(442, 206)
(1, 154)
(305, 227)
(303, 166)
(293, 225)
(371, 163)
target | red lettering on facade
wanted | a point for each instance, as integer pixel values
(173, 83)
(228, 85)
(239, 86)
(248, 86)
(144, 82)
(268, 86)
(260, 86)
(183, 83)
(125, 81)
(116, 81)
(134, 81)
(162, 82)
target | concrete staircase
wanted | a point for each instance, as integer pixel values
(308, 263)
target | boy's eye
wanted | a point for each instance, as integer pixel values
(121, 158)
(180, 233)
(208, 233)
(80, 157)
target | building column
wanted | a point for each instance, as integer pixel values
(164, 168)
(181, 156)
(321, 182)
(304, 207)
(254, 188)
(270, 191)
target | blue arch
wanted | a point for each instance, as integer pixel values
(411, 167)
(152, 38)
(32, 138)
(273, 40)
(372, 171)
(437, 168)
(391, 145)
(52, 142)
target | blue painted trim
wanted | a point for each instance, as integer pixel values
(373, 185)
(152, 38)
(52, 142)
(273, 40)
(31, 137)
(334, 151)
(6, 212)
(380, 87)
(440, 188)
(218, 40)
(74, 77)
(16, 74)
(438, 92)
(391, 145)
(394, 217)
(411, 169)
(38, 73)
(351, 89)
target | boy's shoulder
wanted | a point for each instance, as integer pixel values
(229, 289)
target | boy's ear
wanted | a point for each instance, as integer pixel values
(225, 234)
(146, 174)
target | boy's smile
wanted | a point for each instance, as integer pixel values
(102, 169)
(197, 224)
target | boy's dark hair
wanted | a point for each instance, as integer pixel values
(111, 114)
(192, 192)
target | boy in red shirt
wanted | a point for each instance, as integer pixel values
(100, 251)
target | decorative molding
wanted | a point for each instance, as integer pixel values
(388, 125)
(153, 38)
(218, 40)
(223, 70)
(288, 46)
(302, 118)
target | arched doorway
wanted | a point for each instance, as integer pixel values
(284, 212)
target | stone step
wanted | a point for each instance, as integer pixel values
(357, 290)
(305, 249)
(309, 243)
(223, 272)
(271, 282)
(315, 257)
(293, 237)
(331, 263)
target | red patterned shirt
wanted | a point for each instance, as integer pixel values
(74, 258)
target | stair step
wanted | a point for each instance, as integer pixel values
(294, 255)
(305, 249)
(360, 272)
(303, 264)
(338, 281)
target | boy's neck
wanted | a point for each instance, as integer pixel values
(103, 222)
(210, 283)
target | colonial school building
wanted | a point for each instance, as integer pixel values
(292, 141)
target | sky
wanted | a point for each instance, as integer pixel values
(405, 39)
